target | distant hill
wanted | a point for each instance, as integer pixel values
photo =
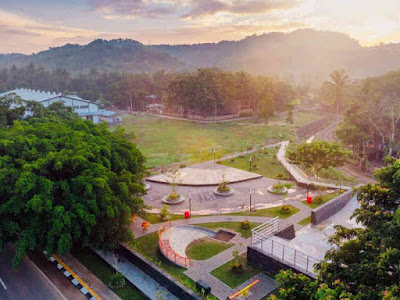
(303, 52)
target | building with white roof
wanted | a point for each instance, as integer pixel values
(84, 108)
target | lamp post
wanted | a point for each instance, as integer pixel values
(250, 163)
(214, 154)
(247, 147)
(190, 203)
(250, 199)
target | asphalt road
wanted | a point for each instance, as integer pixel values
(28, 282)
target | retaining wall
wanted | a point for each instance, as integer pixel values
(287, 233)
(313, 128)
(330, 208)
(159, 275)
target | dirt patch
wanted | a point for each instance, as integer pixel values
(224, 236)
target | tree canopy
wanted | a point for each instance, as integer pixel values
(319, 155)
(363, 262)
(66, 181)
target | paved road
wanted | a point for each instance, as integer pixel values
(25, 283)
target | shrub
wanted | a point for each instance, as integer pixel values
(254, 166)
(164, 213)
(223, 187)
(117, 281)
(285, 210)
(341, 191)
(288, 185)
(237, 266)
(265, 152)
(250, 147)
(246, 113)
(182, 166)
(241, 156)
(218, 162)
(245, 224)
(232, 160)
(318, 199)
(278, 187)
(173, 197)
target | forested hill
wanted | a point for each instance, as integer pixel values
(302, 52)
(115, 55)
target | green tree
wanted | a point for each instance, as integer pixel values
(320, 155)
(335, 91)
(267, 107)
(289, 118)
(76, 183)
(11, 109)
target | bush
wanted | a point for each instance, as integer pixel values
(218, 162)
(241, 156)
(288, 185)
(318, 199)
(265, 152)
(117, 281)
(182, 166)
(246, 113)
(285, 210)
(250, 147)
(173, 197)
(164, 213)
(232, 160)
(245, 224)
(254, 166)
(278, 187)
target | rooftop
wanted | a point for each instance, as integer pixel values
(32, 95)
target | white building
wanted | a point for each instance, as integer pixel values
(84, 108)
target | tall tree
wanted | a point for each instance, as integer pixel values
(335, 91)
(77, 182)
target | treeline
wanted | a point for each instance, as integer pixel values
(200, 92)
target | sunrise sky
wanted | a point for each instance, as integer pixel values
(28, 26)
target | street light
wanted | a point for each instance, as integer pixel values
(214, 154)
(247, 147)
(190, 203)
(250, 198)
(250, 163)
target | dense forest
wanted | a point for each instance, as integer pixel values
(306, 55)
(203, 91)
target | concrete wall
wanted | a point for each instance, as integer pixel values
(287, 232)
(266, 263)
(163, 278)
(330, 208)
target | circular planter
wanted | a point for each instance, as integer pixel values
(282, 191)
(177, 201)
(223, 194)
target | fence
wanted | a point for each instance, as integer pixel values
(264, 230)
(289, 256)
(166, 249)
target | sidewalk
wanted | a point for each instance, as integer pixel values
(94, 283)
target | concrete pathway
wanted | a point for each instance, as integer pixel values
(138, 278)
(94, 283)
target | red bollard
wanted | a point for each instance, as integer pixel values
(187, 214)
(308, 199)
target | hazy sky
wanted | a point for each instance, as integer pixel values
(32, 25)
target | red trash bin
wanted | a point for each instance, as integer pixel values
(187, 214)
(308, 199)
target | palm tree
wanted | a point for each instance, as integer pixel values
(335, 90)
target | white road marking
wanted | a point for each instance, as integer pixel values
(2, 283)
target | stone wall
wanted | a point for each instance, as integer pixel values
(287, 233)
(159, 275)
(330, 208)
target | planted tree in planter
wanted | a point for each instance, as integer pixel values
(173, 181)
(237, 265)
(223, 186)
(165, 215)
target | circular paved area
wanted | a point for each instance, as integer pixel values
(207, 173)
(181, 236)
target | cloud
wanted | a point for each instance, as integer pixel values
(113, 9)
(237, 7)
(26, 35)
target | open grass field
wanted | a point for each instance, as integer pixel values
(266, 165)
(104, 272)
(206, 248)
(166, 141)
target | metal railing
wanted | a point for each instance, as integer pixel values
(289, 256)
(166, 249)
(264, 230)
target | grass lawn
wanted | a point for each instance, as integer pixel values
(206, 248)
(305, 222)
(325, 198)
(231, 279)
(234, 226)
(104, 272)
(267, 164)
(269, 212)
(165, 141)
(154, 218)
